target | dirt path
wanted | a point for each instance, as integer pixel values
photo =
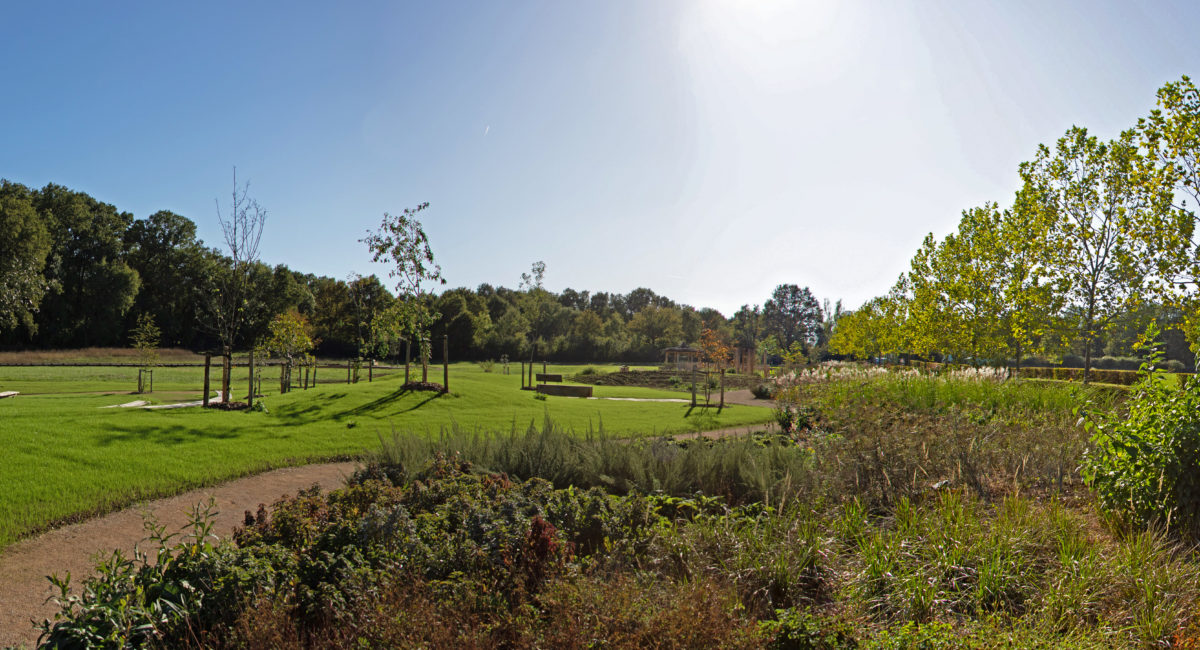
(25, 565)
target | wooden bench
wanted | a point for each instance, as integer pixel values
(557, 378)
(565, 390)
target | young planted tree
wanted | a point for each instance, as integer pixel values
(401, 241)
(1030, 299)
(146, 338)
(369, 301)
(955, 305)
(1106, 223)
(229, 304)
(289, 339)
(871, 332)
(716, 352)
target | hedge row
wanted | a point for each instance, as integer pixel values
(1121, 377)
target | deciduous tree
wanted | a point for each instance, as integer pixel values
(1105, 225)
(402, 242)
(24, 245)
(230, 304)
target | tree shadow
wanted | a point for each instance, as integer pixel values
(382, 402)
(161, 435)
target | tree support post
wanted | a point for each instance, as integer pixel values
(348, 365)
(693, 385)
(226, 371)
(407, 357)
(250, 397)
(722, 371)
(207, 365)
(446, 363)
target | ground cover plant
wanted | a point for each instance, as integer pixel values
(65, 457)
(902, 511)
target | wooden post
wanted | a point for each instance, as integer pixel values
(226, 370)
(370, 370)
(314, 381)
(407, 357)
(522, 374)
(693, 384)
(348, 364)
(446, 363)
(250, 397)
(207, 365)
(722, 371)
(307, 371)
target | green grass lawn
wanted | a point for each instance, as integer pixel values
(65, 457)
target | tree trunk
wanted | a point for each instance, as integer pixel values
(226, 370)
(424, 361)
(1017, 369)
(1087, 339)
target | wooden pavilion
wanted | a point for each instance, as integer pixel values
(681, 358)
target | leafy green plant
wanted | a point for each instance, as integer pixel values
(1145, 464)
(761, 391)
(800, 629)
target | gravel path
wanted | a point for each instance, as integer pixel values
(25, 565)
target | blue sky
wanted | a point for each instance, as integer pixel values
(707, 150)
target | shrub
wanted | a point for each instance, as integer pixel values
(487, 366)
(588, 371)
(1145, 465)
(1174, 365)
(761, 391)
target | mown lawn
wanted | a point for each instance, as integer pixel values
(65, 457)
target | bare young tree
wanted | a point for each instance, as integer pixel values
(242, 228)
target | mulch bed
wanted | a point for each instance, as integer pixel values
(228, 406)
(424, 386)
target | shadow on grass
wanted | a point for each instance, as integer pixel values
(371, 407)
(162, 435)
